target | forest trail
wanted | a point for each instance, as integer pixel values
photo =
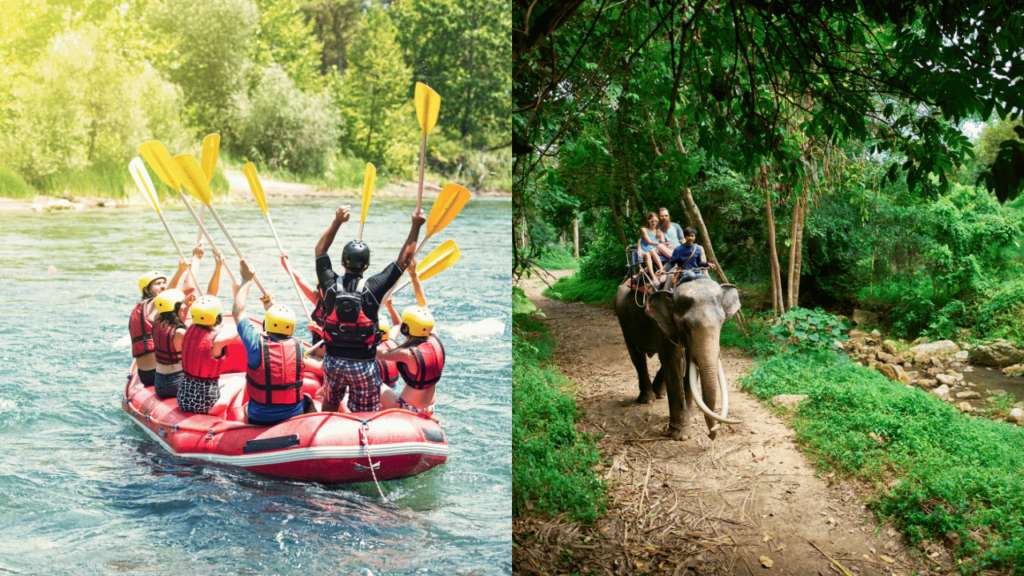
(734, 506)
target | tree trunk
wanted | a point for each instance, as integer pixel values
(773, 257)
(804, 202)
(615, 218)
(792, 252)
(576, 236)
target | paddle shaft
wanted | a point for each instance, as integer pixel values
(180, 253)
(360, 237)
(235, 246)
(202, 215)
(202, 229)
(423, 157)
(291, 276)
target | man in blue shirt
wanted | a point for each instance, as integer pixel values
(275, 364)
(672, 231)
(689, 257)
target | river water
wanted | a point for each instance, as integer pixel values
(84, 491)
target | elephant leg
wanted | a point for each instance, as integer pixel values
(679, 427)
(659, 383)
(640, 363)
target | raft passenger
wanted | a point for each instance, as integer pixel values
(273, 379)
(352, 304)
(420, 361)
(203, 348)
(140, 322)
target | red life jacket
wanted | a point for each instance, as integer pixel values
(278, 378)
(429, 364)
(141, 330)
(350, 332)
(163, 342)
(197, 360)
(388, 368)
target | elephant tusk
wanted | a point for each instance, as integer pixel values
(698, 398)
(725, 389)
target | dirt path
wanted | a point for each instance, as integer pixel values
(733, 506)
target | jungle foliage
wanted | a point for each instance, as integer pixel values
(304, 88)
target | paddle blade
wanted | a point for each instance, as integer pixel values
(193, 178)
(160, 161)
(368, 179)
(144, 182)
(211, 146)
(447, 206)
(428, 104)
(256, 187)
(439, 259)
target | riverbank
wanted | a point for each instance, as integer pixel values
(239, 192)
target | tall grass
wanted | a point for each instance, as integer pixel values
(552, 461)
(574, 289)
(12, 185)
(557, 259)
(939, 474)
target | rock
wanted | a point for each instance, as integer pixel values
(933, 371)
(940, 349)
(109, 204)
(901, 375)
(912, 375)
(965, 407)
(887, 370)
(1009, 370)
(891, 347)
(968, 395)
(997, 354)
(962, 356)
(945, 379)
(789, 401)
(1016, 415)
(927, 383)
(861, 317)
(876, 333)
(856, 334)
(886, 357)
(941, 391)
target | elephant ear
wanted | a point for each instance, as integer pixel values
(730, 300)
(659, 307)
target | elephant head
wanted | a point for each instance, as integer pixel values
(691, 316)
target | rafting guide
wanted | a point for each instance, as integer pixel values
(248, 392)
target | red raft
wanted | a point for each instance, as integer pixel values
(332, 448)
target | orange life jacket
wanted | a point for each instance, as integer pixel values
(388, 368)
(197, 359)
(278, 378)
(429, 356)
(141, 330)
(163, 343)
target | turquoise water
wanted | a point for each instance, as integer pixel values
(83, 490)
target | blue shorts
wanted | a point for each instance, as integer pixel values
(361, 378)
(166, 385)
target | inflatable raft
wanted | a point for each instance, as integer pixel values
(332, 448)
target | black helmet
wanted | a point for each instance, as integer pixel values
(356, 256)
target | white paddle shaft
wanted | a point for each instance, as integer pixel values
(202, 229)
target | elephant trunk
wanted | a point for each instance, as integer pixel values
(712, 376)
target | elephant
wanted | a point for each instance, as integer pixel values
(677, 324)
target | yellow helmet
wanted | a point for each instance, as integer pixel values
(168, 298)
(385, 329)
(146, 279)
(205, 310)
(280, 320)
(419, 320)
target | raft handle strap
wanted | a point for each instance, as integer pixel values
(365, 437)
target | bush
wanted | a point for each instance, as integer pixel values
(802, 330)
(12, 185)
(552, 461)
(1002, 315)
(952, 477)
(574, 289)
(282, 127)
(557, 259)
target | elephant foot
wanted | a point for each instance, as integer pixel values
(676, 432)
(660, 395)
(646, 397)
(712, 434)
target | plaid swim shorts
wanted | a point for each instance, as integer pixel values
(360, 377)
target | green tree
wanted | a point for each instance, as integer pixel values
(335, 23)
(285, 38)
(375, 103)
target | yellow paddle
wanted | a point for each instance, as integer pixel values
(195, 182)
(261, 199)
(211, 146)
(143, 181)
(428, 104)
(447, 206)
(166, 169)
(371, 175)
(439, 259)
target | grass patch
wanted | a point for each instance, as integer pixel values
(573, 289)
(757, 342)
(939, 474)
(557, 259)
(13, 185)
(552, 462)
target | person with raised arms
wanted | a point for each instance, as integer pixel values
(419, 359)
(316, 296)
(169, 331)
(275, 364)
(352, 304)
(145, 313)
(203, 348)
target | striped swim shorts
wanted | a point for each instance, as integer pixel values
(361, 378)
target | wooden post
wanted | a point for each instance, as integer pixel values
(576, 236)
